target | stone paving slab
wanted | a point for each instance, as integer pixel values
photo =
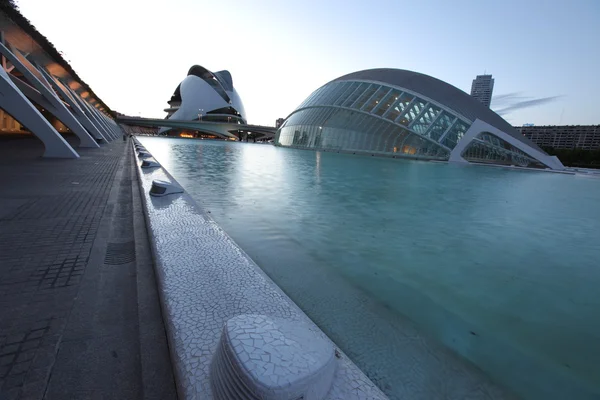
(55, 217)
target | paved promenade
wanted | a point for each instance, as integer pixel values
(79, 312)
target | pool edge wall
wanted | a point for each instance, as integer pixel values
(204, 278)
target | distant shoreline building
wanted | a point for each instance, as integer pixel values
(585, 137)
(482, 89)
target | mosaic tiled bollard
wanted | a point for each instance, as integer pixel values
(259, 357)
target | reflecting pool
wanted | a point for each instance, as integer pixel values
(392, 258)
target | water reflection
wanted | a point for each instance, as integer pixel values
(499, 265)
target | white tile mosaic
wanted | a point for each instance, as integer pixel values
(271, 359)
(204, 280)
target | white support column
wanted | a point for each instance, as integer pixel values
(75, 108)
(101, 119)
(480, 126)
(85, 107)
(109, 122)
(46, 95)
(16, 104)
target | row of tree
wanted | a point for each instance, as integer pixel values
(576, 157)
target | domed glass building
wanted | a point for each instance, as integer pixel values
(399, 113)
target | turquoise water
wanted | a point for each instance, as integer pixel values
(501, 266)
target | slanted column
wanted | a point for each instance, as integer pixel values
(85, 107)
(75, 108)
(100, 118)
(42, 94)
(16, 104)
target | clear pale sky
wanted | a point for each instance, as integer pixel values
(134, 53)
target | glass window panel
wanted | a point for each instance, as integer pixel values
(351, 119)
(321, 116)
(325, 137)
(317, 99)
(336, 139)
(364, 124)
(318, 116)
(412, 112)
(399, 106)
(370, 142)
(328, 92)
(411, 145)
(455, 134)
(314, 94)
(318, 138)
(392, 139)
(399, 139)
(342, 92)
(387, 102)
(295, 119)
(339, 92)
(314, 134)
(382, 143)
(375, 99)
(351, 138)
(356, 94)
(331, 118)
(333, 90)
(440, 126)
(339, 138)
(364, 140)
(379, 140)
(347, 93)
(380, 133)
(328, 117)
(382, 138)
(300, 117)
(305, 117)
(337, 119)
(365, 96)
(427, 117)
(291, 119)
(313, 97)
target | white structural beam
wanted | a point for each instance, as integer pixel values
(95, 116)
(103, 120)
(480, 126)
(36, 97)
(85, 107)
(16, 104)
(46, 95)
(87, 111)
(111, 124)
(75, 108)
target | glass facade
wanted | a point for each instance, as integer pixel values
(371, 118)
(488, 148)
(374, 118)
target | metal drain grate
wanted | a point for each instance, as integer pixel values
(120, 253)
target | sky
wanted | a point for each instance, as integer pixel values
(544, 55)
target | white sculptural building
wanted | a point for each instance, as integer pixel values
(206, 96)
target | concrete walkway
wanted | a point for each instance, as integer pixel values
(79, 311)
